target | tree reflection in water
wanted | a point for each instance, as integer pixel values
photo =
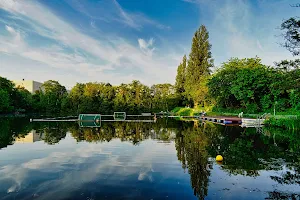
(191, 146)
(132, 132)
(276, 195)
(11, 128)
(245, 151)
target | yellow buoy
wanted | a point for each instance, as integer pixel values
(219, 158)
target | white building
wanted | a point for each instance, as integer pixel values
(29, 85)
(31, 137)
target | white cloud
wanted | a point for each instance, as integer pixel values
(107, 48)
(125, 17)
(191, 1)
(53, 56)
(12, 43)
(146, 47)
(259, 45)
(10, 29)
(111, 10)
(93, 25)
(240, 29)
(139, 164)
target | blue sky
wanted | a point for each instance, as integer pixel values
(120, 40)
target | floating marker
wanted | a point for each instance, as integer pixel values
(219, 158)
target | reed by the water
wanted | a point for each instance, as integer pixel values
(290, 123)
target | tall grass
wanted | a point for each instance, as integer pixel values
(288, 122)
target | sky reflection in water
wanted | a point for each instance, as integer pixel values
(166, 160)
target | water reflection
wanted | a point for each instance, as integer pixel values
(31, 137)
(191, 146)
(117, 155)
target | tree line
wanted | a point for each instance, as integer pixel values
(240, 84)
(104, 98)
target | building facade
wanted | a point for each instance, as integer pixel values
(30, 85)
(31, 137)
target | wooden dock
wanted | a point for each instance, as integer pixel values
(223, 120)
(246, 122)
(235, 121)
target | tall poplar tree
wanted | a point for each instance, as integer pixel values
(198, 69)
(180, 77)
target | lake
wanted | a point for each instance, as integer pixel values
(168, 159)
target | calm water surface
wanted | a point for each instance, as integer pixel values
(165, 160)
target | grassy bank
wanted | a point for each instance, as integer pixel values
(286, 122)
(231, 114)
(184, 111)
(289, 120)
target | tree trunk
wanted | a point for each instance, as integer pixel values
(195, 104)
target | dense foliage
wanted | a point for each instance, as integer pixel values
(132, 98)
(239, 84)
(13, 98)
(53, 98)
(249, 85)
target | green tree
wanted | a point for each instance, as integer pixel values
(164, 97)
(23, 99)
(136, 96)
(180, 77)
(7, 85)
(51, 97)
(36, 102)
(76, 98)
(121, 99)
(288, 65)
(7, 93)
(291, 35)
(4, 101)
(248, 84)
(199, 65)
(289, 83)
